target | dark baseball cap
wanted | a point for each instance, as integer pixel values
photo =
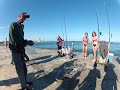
(86, 33)
(24, 14)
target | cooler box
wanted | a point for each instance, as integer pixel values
(110, 57)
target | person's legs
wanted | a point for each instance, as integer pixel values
(6, 48)
(86, 50)
(59, 50)
(25, 70)
(83, 52)
(24, 66)
(95, 57)
(93, 52)
(12, 62)
(20, 68)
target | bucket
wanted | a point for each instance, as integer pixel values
(110, 57)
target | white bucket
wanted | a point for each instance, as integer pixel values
(110, 57)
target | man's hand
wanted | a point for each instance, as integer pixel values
(30, 42)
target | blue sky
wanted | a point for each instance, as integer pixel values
(47, 18)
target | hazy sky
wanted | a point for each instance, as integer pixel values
(47, 18)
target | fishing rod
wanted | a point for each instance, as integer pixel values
(108, 19)
(98, 25)
(63, 36)
(65, 31)
(98, 32)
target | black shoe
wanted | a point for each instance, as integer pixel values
(29, 83)
(25, 88)
(12, 63)
(95, 65)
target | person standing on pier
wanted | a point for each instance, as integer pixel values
(25, 55)
(6, 44)
(17, 45)
(94, 46)
(59, 45)
(85, 41)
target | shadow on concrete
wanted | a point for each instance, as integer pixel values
(43, 82)
(89, 83)
(12, 81)
(69, 83)
(45, 60)
(110, 78)
(118, 60)
(9, 82)
(43, 57)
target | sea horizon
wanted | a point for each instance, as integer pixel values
(114, 46)
(67, 41)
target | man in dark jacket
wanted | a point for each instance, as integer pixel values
(25, 55)
(17, 46)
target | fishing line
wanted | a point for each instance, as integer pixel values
(98, 32)
(63, 36)
(108, 19)
(65, 31)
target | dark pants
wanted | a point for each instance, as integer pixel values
(59, 47)
(20, 66)
(25, 57)
(59, 51)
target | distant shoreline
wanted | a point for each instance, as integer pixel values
(74, 41)
(1, 42)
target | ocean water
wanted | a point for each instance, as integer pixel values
(114, 47)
